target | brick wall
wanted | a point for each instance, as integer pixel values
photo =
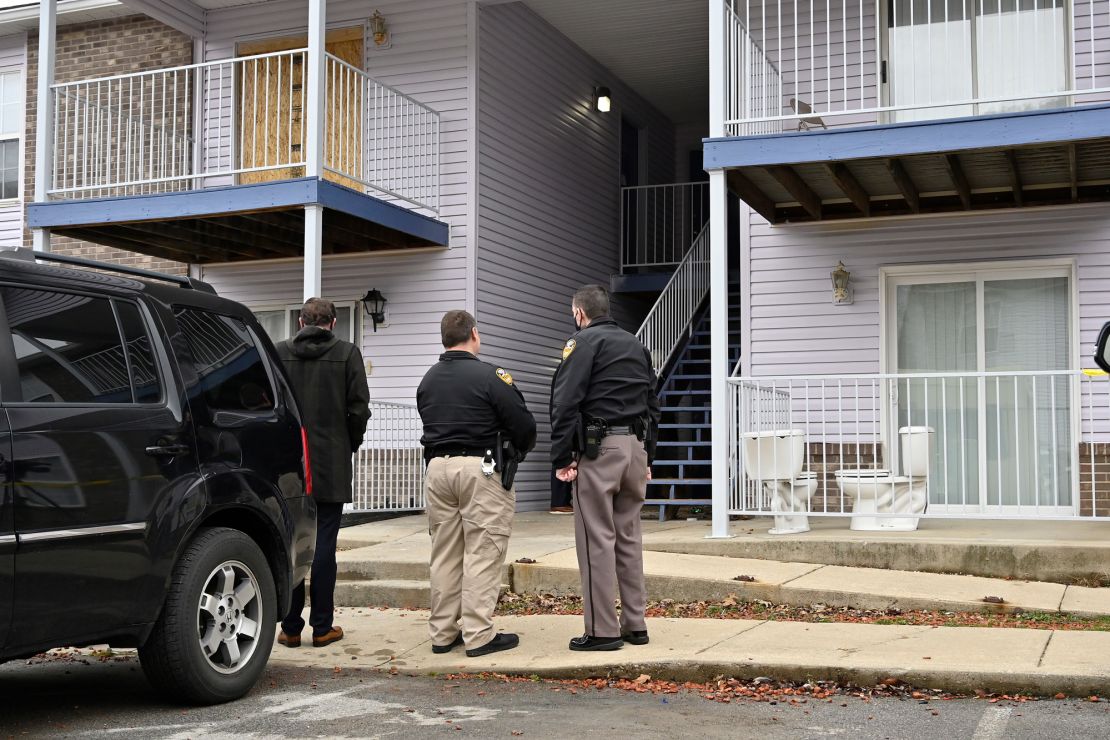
(103, 48)
(1094, 479)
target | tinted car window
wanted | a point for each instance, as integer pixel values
(232, 376)
(144, 370)
(67, 347)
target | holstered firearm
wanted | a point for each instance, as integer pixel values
(507, 461)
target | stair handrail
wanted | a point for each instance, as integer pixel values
(674, 310)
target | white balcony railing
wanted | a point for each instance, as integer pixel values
(389, 466)
(804, 64)
(660, 222)
(238, 121)
(674, 310)
(1003, 445)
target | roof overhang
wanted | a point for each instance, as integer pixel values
(1017, 159)
(240, 222)
(25, 16)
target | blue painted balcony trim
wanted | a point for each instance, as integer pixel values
(280, 195)
(1001, 131)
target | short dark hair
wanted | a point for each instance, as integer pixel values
(593, 300)
(455, 328)
(317, 312)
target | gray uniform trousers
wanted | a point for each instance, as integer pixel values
(608, 497)
(470, 518)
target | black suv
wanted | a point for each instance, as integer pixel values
(155, 484)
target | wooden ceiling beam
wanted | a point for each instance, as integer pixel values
(1073, 172)
(746, 190)
(1015, 177)
(959, 179)
(850, 186)
(799, 191)
(905, 184)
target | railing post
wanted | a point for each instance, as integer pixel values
(718, 353)
(44, 112)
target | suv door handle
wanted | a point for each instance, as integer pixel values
(168, 449)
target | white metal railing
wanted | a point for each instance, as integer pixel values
(389, 466)
(380, 138)
(658, 222)
(1002, 444)
(814, 63)
(240, 119)
(670, 317)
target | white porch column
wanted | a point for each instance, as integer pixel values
(718, 280)
(315, 97)
(313, 250)
(313, 118)
(44, 114)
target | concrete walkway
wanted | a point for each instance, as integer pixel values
(950, 658)
(386, 564)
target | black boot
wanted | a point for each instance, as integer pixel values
(589, 642)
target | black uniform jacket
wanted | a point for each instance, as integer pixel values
(606, 373)
(465, 402)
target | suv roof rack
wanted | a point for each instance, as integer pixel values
(28, 255)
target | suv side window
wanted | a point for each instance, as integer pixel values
(67, 347)
(232, 374)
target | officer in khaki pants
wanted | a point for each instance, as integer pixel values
(604, 413)
(465, 404)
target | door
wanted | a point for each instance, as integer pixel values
(955, 50)
(1002, 415)
(271, 103)
(99, 449)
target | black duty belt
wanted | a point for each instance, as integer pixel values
(460, 451)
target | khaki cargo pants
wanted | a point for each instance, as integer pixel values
(470, 518)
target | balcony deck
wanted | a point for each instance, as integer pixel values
(240, 222)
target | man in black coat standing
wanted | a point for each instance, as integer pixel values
(329, 380)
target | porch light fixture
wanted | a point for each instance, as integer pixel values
(603, 99)
(374, 305)
(842, 292)
(379, 30)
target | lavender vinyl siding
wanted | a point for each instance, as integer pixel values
(13, 58)
(548, 166)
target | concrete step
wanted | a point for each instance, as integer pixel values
(392, 593)
(712, 578)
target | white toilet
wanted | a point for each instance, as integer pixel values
(876, 491)
(775, 459)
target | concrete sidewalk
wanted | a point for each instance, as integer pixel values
(951, 658)
(387, 565)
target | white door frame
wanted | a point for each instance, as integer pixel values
(892, 276)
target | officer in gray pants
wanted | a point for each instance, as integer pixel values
(605, 411)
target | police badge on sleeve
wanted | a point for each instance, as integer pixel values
(570, 345)
(504, 375)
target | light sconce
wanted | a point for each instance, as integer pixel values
(602, 99)
(379, 30)
(374, 305)
(842, 291)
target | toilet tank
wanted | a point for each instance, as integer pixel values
(774, 455)
(917, 446)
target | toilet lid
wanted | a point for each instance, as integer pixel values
(863, 473)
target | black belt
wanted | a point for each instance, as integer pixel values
(460, 451)
(619, 431)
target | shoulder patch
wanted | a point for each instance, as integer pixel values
(504, 375)
(570, 345)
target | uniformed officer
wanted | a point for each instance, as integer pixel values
(464, 404)
(604, 414)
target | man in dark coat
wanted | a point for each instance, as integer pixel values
(329, 380)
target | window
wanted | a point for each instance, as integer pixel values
(140, 354)
(229, 367)
(281, 322)
(11, 129)
(67, 347)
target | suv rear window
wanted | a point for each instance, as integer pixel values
(69, 350)
(232, 374)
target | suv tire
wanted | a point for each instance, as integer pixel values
(216, 630)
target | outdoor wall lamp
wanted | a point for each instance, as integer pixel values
(374, 305)
(379, 29)
(602, 99)
(842, 292)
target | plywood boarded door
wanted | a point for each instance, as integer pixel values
(271, 108)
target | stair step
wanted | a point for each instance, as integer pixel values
(691, 392)
(680, 482)
(397, 594)
(677, 376)
(672, 461)
(684, 444)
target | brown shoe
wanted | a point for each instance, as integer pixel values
(562, 510)
(289, 640)
(335, 635)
